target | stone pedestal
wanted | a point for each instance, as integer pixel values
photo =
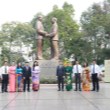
(48, 69)
(107, 71)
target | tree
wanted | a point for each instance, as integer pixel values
(25, 33)
(15, 34)
(68, 8)
(95, 24)
(55, 7)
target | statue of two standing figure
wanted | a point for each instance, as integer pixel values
(53, 35)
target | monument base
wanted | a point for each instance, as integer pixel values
(48, 70)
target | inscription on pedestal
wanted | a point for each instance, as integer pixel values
(48, 69)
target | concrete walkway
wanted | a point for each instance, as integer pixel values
(48, 98)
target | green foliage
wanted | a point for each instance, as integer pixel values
(82, 49)
(15, 34)
(68, 8)
(96, 26)
(5, 55)
(25, 32)
(55, 7)
(10, 56)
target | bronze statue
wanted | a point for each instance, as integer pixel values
(54, 39)
(40, 35)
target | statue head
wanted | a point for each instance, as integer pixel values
(54, 20)
(40, 17)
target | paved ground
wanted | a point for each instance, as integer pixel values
(48, 98)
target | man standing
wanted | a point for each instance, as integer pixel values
(26, 76)
(95, 72)
(77, 70)
(4, 76)
(54, 39)
(40, 34)
(60, 73)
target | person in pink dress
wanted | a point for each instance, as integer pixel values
(12, 77)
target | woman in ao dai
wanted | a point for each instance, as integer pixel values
(35, 76)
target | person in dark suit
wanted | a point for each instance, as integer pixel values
(95, 73)
(26, 76)
(60, 73)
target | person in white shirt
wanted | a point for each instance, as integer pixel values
(4, 76)
(77, 71)
(95, 72)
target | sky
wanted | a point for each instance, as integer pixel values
(24, 10)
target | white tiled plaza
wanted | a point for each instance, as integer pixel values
(48, 98)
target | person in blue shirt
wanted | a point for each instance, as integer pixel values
(19, 72)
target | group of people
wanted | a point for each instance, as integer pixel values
(82, 75)
(19, 77)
